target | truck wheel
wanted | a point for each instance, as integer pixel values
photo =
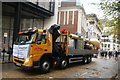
(84, 60)
(63, 63)
(45, 66)
(89, 59)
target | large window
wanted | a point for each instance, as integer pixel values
(27, 38)
(41, 38)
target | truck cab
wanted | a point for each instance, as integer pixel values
(39, 48)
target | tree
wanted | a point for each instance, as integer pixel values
(111, 9)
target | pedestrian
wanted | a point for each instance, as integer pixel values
(0, 53)
(3, 51)
(105, 54)
(114, 51)
(110, 54)
(116, 55)
(102, 54)
(10, 51)
(113, 54)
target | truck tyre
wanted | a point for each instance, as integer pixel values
(45, 66)
(63, 63)
(84, 60)
(89, 59)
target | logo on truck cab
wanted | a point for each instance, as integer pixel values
(40, 49)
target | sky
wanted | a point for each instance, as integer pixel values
(92, 8)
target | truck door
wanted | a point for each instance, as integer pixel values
(40, 47)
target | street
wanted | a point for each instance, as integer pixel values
(49, 33)
(98, 68)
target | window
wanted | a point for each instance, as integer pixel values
(91, 22)
(25, 38)
(104, 36)
(40, 39)
(108, 45)
(105, 45)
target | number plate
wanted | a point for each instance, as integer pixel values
(18, 64)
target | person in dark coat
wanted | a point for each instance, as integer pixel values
(102, 53)
(10, 51)
(0, 53)
(105, 54)
(116, 55)
(110, 54)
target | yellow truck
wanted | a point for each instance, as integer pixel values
(44, 49)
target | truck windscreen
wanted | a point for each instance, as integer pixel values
(25, 39)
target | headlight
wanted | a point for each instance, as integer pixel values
(27, 60)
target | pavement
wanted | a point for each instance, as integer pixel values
(98, 68)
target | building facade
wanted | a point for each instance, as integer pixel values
(72, 17)
(93, 30)
(108, 42)
(93, 26)
(18, 16)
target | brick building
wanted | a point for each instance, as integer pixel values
(72, 17)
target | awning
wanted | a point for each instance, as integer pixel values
(95, 42)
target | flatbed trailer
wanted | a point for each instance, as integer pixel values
(45, 49)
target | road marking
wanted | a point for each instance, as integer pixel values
(83, 74)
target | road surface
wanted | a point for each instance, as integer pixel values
(98, 68)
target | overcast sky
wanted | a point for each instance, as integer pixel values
(91, 8)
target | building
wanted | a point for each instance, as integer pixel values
(93, 30)
(72, 17)
(93, 26)
(18, 16)
(108, 42)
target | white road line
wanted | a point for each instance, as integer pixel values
(83, 73)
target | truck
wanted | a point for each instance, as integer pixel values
(49, 48)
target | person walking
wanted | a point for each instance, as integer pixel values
(0, 53)
(110, 54)
(3, 55)
(116, 55)
(105, 53)
(10, 51)
(102, 54)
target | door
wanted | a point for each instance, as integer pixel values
(40, 46)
